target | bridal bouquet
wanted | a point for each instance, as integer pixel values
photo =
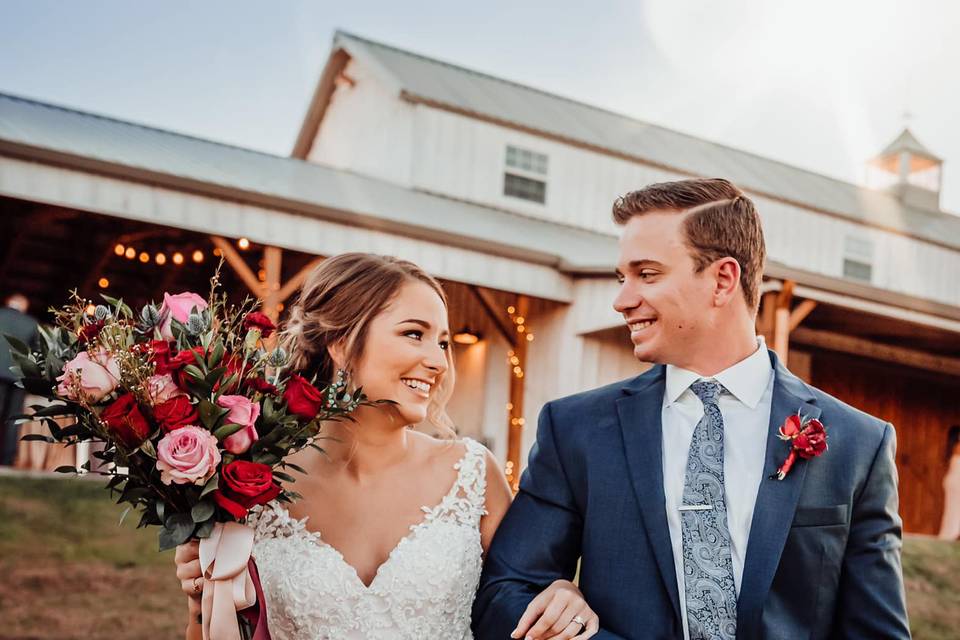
(196, 416)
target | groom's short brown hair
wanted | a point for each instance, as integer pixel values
(722, 222)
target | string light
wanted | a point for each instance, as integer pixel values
(118, 249)
(130, 253)
(144, 256)
(160, 258)
(198, 256)
(91, 308)
(511, 310)
(529, 337)
(217, 252)
(243, 243)
(178, 258)
(104, 283)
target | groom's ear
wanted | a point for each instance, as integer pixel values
(726, 272)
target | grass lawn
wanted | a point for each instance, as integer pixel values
(69, 571)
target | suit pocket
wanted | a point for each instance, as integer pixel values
(820, 516)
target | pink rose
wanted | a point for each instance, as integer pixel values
(90, 376)
(162, 388)
(242, 411)
(187, 455)
(178, 307)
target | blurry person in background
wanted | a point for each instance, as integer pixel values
(950, 525)
(14, 322)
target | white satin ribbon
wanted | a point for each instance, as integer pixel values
(227, 585)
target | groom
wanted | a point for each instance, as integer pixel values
(661, 485)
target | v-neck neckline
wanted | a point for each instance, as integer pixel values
(429, 516)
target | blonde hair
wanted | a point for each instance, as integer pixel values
(337, 302)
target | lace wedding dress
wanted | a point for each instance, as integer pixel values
(424, 589)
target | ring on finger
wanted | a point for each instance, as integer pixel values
(580, 621)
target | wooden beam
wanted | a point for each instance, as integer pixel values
(319, 103)
(294, 283)
(800, 313)
(236, 261)
(495, 314)
(272, 261)
(878, 351)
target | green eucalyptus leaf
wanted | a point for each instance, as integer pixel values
(148, 448)
(211, 485)
(177, 529)
(210, 413)
(202, 511)
(205, 529)
(227, 430)
(218, 353)
(194, 372)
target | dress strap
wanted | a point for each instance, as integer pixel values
(467, 499)
(272, 520)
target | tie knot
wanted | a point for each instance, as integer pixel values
(707, 390)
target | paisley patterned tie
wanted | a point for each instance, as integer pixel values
(711, 595)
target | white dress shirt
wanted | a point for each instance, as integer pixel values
(745, 405)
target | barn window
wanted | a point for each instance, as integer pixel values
(858, 259)
(525, 175)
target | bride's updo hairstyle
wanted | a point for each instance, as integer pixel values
(338, 301)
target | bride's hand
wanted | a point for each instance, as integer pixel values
(187, 558)
(553, 612)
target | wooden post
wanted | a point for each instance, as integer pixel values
(765, 318)
(781, 326)
(515, 420)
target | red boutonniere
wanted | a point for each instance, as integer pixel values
(807, 438)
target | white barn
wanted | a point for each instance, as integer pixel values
(504, 191)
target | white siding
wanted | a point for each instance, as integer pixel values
(465, 158)
(366, 129)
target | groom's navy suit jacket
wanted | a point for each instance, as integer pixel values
(823, 557)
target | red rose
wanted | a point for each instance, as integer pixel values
(175, 413)
(245, 484)
(160, 356)
(303, 399)
(187, 356)
(813, 441)
(259, 384)
(90, 331)
(257, 320)
(790, 427)
(124, 420)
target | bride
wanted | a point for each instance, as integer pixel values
(388, 539)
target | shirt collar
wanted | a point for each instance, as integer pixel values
(747, 380)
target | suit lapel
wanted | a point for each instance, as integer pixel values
(776, 501)
(640, 415)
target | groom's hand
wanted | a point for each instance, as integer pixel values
(552, 615)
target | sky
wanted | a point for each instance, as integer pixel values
(819, 84)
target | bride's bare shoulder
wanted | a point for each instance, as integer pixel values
(442, 452)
